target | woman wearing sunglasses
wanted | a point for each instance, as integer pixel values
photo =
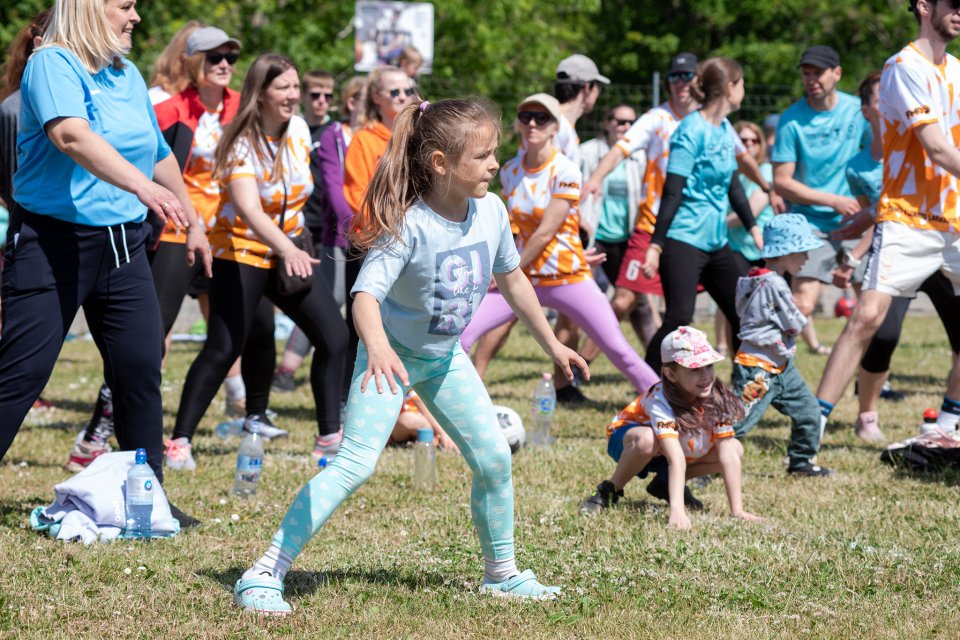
(542, 189)
(389, 90)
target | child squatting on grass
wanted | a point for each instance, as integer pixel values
(434, 236)
(687, 418)
(764, 372)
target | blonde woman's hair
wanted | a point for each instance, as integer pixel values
(247, 125)
(355, 89)
(369, 115)
(404, 173)
(80, 26)
(170, 69)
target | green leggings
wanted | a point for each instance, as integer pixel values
(455, 395)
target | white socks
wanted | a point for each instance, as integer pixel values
(274, 563)
(948, 421)
(235, 388)
(499, 570)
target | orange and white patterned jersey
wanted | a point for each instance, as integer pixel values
(528, 191)
(653, 410)
(231, 238)
(409, 406)
(652, 134)
(203, 190)
(915, 91)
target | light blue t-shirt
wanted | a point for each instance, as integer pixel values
(115, 103)
(821, 143)
(704, 154)
(740, 240)
(431, 282)
(865, 176)
(614, 224)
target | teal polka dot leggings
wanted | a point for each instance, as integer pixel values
(455, 395)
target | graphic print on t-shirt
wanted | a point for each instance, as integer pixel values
(459, 280)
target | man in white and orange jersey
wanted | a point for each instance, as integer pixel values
(652, 134)
(918, 230)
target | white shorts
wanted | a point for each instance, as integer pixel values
(903, 257)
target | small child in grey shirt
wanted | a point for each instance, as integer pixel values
(764, 373)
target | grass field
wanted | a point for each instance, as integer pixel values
(869, 553)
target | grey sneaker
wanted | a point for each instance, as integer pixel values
(268, 430)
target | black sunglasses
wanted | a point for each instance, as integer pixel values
(620, 121)
(539, 117)
(316, 95)
(395, 93)
(683, 76)
(954, 4)
(215, 58)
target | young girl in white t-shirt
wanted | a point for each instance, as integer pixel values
(434, 236)
(688, 419)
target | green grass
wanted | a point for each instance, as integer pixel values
(869, 553)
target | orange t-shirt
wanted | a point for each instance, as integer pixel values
(528, 192)
(231, 238)
(363, 155)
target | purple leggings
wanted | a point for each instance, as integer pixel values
(586, 305)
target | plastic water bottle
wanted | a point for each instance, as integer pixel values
(140, 489)
(249, 463)
(929, 421)
(229, 428)
(541, 410)
(424, 461)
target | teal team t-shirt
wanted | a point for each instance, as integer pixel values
(865, 176)
(115, 104)
(821, 143)
(704, 154)
(614, 223)
(740, 240)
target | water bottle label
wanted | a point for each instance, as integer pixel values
(249, 464)
(140, 491)
(543, 405)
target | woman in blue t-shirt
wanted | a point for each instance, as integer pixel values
(93, 162)
(689, 244)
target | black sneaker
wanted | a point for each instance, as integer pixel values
(571, 395)
(186, 522)
(283, 381)
(658, 488)
(810, 470)
(605, 497)
(888, 393)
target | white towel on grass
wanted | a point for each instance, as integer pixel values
(90, 505)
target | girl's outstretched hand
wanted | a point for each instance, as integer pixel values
(384, 363)
(680, 521)
(567, 358)
(749, 517)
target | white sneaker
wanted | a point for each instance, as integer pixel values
(268, 430)
(178, 455)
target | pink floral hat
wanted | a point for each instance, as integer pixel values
(689, 348)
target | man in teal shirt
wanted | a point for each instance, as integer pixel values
(816, 137)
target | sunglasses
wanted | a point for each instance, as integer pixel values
(316, 95)
(621, 122)
(954, 4)
(539, 117)
(683, 76)
(395, 93)
(749, 141)
(215, 58)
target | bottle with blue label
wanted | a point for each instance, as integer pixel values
(541, 410)
(249, 463)
(140, 487)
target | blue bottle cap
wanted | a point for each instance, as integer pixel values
(425, 435)
(141, 456)
(322, 463)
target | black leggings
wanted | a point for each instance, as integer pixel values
(172, 277)
(350, 274)
(884, 342)
(236, 290)
(682, 266)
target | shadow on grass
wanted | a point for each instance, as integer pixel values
(769, 443)
(14, 513)
(301, 583)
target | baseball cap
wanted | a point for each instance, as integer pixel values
(207, 39)
(689, 348)
(579, 69)
(546, 101)
(788, 233)
(820, 56)
(771, 121)
(683, 63)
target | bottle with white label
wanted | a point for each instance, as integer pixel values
(139, 504)
(541, 413)
(249, 463)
